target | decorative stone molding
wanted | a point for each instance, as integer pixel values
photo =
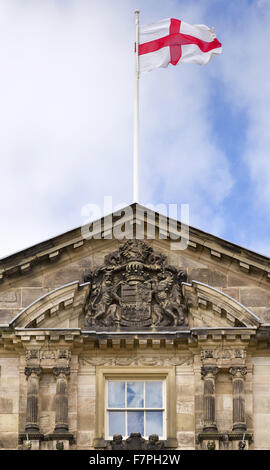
(64, 297)
(238, 372)
(59, 370)
(226, 311)
(220, 354)
(224, 441)
(135, 361)
(33, 370)
(209, 371)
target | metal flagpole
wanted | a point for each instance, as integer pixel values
(136, 115)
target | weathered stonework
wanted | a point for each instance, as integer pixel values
(74, 312)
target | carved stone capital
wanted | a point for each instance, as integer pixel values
(238, 372)
(209, 371)
(61, 370)
(33, 370)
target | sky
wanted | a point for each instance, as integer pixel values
(66, 118)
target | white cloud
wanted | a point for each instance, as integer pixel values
(66, 119)
(246, 71)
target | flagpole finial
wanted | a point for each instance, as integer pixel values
(136, 12)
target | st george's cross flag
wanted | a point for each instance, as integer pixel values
(172, 41)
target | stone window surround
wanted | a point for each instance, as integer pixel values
(136, 373)
(163, 408)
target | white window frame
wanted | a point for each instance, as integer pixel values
(163, 409)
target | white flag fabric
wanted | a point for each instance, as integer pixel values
(172, 41)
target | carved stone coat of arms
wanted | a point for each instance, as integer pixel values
(135, 289)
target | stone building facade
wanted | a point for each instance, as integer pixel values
(106, 337)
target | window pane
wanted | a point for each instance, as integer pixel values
(117, 423)
(116, 394)
(135, 395)
(153, 394)
(154, 423)
(135, 422)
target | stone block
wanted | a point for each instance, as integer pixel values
(224, 420)
(186, 440)
(9, 367)
(207, 276)
(217, 279)
(234, 281)
(85, 439)
(261, 431)
(264, 314)
(6, 315)
(86, 391)
(8, 440)
(8, 422)
(184, 407)
(6, 405)
(254, 297)
(185, 391)
(199, 274)
(10, 298)
(232, 292)
(185, 422)
(47, 421)
(86, 421)
(262, 403)
(62, 276)
(47, 402)
(30, 294)
(86, 406)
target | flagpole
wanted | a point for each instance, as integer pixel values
(136, 114)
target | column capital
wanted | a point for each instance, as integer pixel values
(61, 370)
(33, 370)
(209, 371)
(238, 372)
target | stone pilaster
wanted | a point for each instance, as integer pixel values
(33, 375)
(209, 399)
(61, 414)
(238, 383)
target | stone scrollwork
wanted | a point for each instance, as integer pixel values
(33, 370)
(61, 370)
(135, 288)
(209, 371)
(238, 371)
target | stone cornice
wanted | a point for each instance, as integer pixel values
(75, 339)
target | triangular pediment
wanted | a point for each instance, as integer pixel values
(41, 279)
(135, 289)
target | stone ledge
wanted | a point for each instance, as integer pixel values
(31, 436)
(218, 436)
(60, 436)
(48, 437)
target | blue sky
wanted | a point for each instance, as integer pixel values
(66, 118)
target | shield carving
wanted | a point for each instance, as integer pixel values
(136, 304)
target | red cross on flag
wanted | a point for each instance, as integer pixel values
(172, 41)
